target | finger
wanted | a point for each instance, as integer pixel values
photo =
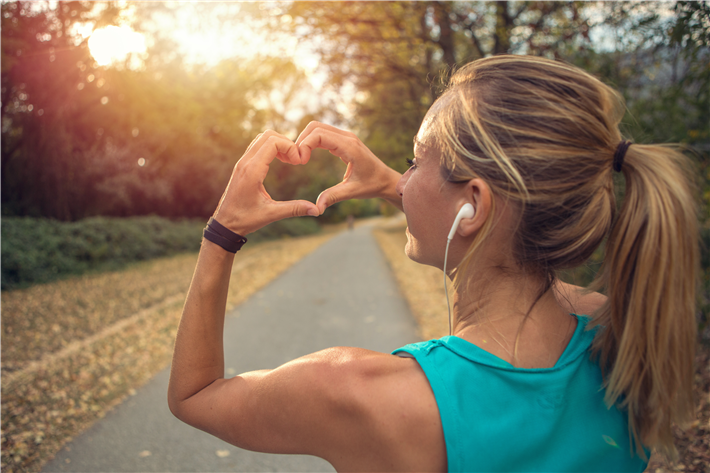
(289, 159)
(253, 146)
(287, 156)
(336, 143)
(306, 152)
(252, 142)
(292, 208)
(313, 137)
(348, 172)
(272, 147)
(315, 125)
(333, 195)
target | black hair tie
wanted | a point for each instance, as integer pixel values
(620, 153)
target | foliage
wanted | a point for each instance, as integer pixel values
(81, 140)
(291, 227)
(665, 78)
(691, 28)
(394, 54)
(41, 250)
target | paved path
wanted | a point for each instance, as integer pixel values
(341, 294)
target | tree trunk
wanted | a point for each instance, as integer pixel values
(503, 25)
(446, 38)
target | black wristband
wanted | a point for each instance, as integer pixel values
(222, 236)
(220, 229)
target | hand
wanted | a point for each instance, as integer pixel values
(245, 205)
(365, 177)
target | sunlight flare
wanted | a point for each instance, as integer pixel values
(115, 43)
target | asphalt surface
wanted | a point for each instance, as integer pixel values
(342, 294)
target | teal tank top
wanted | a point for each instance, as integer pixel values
(497, 417)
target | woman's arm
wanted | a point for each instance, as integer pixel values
(198, 360)
(342, 404)
(245, 207)
(358, 409)
(366, 175)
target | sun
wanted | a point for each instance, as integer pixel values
(114, 43)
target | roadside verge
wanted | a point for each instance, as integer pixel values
(422, 286)
(103, 336)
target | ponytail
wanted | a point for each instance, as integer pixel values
(646, 344)
(545, 137)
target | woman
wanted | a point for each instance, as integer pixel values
(524, 384)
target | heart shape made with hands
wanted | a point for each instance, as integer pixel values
(365, 176)
(246, 206)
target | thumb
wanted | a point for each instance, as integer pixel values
(332, 195)
(294, 208)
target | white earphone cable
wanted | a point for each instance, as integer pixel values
(448, 305)
(467, 211)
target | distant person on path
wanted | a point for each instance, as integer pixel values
(526, 381)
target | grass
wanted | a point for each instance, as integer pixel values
(73, 349)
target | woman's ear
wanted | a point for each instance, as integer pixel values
(479, 195)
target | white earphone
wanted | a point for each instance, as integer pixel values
(467, 211)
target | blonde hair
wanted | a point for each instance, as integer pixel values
(543, 135)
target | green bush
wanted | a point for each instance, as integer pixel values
(358, 208)
(289, 227)
(36, 250)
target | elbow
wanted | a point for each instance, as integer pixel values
(175, 405)
(181, 410)
(185, 412)
(187, 407)
(177, 398)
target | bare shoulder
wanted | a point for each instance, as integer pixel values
(360, 410)
(392, 406)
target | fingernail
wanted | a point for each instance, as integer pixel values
(313, 212)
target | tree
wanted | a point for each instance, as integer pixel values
(395, 54)
(43, 71)
(81, 140)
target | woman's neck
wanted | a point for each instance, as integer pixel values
(509, 317)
